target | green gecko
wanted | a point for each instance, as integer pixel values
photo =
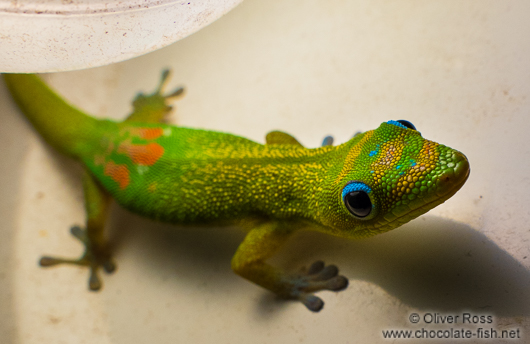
(375, 182)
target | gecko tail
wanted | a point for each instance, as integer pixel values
(63, 126)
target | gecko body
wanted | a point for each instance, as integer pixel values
(371, 184)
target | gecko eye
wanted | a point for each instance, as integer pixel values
(407, 124)
(356, 199)
(358, 203)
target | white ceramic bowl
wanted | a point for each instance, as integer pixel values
(58, 35)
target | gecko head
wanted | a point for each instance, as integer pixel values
(390, 176)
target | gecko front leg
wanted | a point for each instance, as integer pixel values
(261, 243)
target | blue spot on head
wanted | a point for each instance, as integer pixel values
(355, 186)
(375, 151)
(398, 167)
(397, 124)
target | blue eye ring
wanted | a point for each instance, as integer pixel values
(355, 196)
(403, 124)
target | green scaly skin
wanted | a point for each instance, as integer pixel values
(190, 176)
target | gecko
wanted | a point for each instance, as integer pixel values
(373, 183)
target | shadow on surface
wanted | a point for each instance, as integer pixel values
(175, 252)
(431, 264)
(13, 132)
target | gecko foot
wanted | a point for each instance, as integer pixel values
(94, 258)
(154, 107)
(143, 100)
(317, 277)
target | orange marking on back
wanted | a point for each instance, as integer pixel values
(118, 173)
(145, 155)
(151, 133)
(146, 133)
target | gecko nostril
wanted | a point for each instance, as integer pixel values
(457, 171)
(461, 169)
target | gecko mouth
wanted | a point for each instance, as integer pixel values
(447, 184)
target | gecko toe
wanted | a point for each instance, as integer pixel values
(337, 283)
(109, 266)
(328, 272)
(164, 79)
(49, 261)
(328, 141)
(176, 93)
(316, 267)
(94, 282)
(79, 233)
(312, 302)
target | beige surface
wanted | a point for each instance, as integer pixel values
(458, 70)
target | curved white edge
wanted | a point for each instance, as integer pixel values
(36, 43)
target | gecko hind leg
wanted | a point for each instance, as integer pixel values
(154, 107)
(97, 253)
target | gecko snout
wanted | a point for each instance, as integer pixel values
(455, 173)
